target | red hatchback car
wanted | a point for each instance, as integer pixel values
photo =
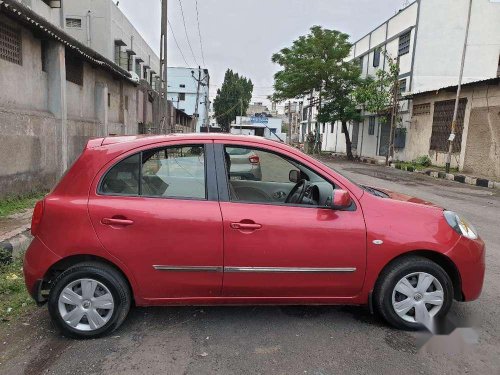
(161, 221)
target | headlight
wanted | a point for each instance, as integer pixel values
(460, 225)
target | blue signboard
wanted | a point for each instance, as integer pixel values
(259, 120)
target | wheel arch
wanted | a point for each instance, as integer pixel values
(442, 260)
(60, 266)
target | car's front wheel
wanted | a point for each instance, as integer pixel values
(89, 300)
(412, 292)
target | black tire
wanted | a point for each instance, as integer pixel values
(110, 278)
(390, 276)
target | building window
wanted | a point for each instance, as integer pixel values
(10, 44)
(144, 72)
(74, 68)
(109, 100)
(126, 102)
(182, 96)
(73, 23)
(130, 62)
(361, 63)
(371, 125)
(404, 44)
(402, 86)
(182, 86)
(332, 126)
(441, 125)
(422, 109)
(376, 58)
(138, 68)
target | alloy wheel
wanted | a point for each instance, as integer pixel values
(86, 304)
(418, 297)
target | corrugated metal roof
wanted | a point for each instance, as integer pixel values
(471, 83)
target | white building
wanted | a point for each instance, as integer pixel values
(102, 26)
(267, 127)
(428, 37)
(188, 89)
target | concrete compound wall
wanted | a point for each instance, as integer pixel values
(45, 121)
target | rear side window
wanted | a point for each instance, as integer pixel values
(171, 172)
(123, 178)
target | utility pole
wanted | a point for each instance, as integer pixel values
(459, 89)
(289, 122)
(164, 125)
(196, 107)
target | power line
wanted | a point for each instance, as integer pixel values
(199, 34)
(177, 43)
(187, 36)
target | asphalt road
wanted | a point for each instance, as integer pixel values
(283, 340)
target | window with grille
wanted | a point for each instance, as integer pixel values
(371, 125)
(10, 44)
(402, 86)
(376, 58)
(421, 109)
(74, 23)
(441, 125)
(74, 68)
(404, 44)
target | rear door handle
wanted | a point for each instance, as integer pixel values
(246, 226)
(111, 221)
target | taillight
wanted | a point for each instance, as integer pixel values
(37, 217)
(254, 159)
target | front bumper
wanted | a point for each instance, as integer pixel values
(37, 262)
(469, 257)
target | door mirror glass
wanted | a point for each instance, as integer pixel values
(341, 200)
(294, 176)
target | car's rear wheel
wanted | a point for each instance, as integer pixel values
(413, 292)
(89, 300)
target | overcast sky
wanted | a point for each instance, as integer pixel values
(243, 34)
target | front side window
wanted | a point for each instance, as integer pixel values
(171, 172)
(258, 176)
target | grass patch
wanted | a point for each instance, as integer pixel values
(14, 298)
(12, 205)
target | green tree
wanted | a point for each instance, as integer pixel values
(380, 94)
(232, 99)
(318, 62)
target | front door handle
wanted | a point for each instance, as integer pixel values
(246, 226)
(113, 221)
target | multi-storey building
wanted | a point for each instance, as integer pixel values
(188, 89)
(427, 37)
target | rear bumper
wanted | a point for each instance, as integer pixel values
(37, 261)
(469, 257)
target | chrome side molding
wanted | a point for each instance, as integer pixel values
(254, 269)
(288, 269)
(188, 268)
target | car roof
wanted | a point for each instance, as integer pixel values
(144, 140)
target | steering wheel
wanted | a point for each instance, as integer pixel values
(296, 195)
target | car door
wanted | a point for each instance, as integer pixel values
(274, 249)
(156, 210)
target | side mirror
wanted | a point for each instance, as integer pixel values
(341, 200)
(294, 176)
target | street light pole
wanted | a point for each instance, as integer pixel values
(459, 89)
